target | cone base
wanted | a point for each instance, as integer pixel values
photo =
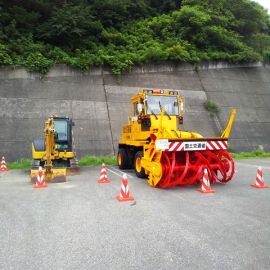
(206, 191)
(256, 186)
(3, 170)
(120, 199)
(103, 181)
(39, 186)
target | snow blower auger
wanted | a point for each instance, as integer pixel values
(152, 144)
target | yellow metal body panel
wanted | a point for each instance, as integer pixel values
(56, 155)
(162, 125)
(50, 153)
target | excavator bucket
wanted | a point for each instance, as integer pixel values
(57, 175)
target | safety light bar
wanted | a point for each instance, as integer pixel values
(148, 91)
(153, 91)
(173, 92)
(160, 91)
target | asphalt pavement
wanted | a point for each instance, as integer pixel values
(80, 224)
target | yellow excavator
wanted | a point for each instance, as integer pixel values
(55, 152)
(154, 144)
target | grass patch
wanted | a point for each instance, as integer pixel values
(257, 153)
(20, 164)
(84, 161)
(97, 160)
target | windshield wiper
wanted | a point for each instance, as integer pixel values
(154, 114)
(167, 114)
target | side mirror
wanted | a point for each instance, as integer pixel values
(139, 107)
(182, 106)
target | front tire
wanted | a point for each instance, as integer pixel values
(122, 159)
(140, 172)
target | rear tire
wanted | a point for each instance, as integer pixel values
(130, 157)
(122, 159)
(140, 172)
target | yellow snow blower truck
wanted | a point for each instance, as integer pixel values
(153, 144)
(55, 151)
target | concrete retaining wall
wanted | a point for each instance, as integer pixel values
(99, 103)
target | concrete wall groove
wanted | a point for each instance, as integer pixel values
(106, 99)
(215, 117)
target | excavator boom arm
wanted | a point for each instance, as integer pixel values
(49, 142)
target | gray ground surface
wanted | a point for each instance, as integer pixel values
(80, 224)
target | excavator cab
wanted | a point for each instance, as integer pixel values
(63, 134)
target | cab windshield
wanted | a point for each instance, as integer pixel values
(154, 104)
(61, 129)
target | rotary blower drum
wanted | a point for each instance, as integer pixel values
(156, 148)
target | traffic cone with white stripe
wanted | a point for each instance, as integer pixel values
(259, 183)
(3, 167)
(124, 192)
(103, 179)
(40, 181)
(206, 187)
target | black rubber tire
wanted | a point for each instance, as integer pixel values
(130, 157)
(122, 159)
(139, 171)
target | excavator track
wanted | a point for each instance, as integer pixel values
(73, 168)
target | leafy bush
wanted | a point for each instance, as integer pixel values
(178, 52)
(36, 62)
(5, 58)
(123, 33)
(211, 106)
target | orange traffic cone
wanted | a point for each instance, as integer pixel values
(3, 167)
(206, 187)
(40, 181)
(124, 192)
(259, 180)
(103, 179)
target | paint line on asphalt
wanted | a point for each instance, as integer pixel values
(118, 172)
(252, 165)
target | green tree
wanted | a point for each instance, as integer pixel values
(71, 27)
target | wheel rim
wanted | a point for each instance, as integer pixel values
(119, 159)
(138, 165)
